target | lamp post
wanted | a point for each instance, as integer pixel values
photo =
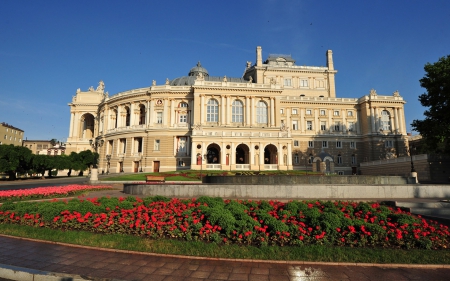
(311, 160)
(413, 170)
(95, 144)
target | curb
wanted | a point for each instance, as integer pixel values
(25, 274)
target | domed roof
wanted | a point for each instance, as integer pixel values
(197, 70)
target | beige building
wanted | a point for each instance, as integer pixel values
(44, 147)
(279, 116)
(10, 134)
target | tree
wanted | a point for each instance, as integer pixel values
(14, 159)
(435, 128)
(41, 163)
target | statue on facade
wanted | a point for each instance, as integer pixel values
(167, 81)
(100, 87)
(273, 81)
(91, 89)
(225, 79)
(249, 64)
(200, 77)
(250, 79)
(154, 83)
(78, 90)
(373, 92)
(396, 94)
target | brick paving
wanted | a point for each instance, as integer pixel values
(108, 265)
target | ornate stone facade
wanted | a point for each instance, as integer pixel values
(278, 116)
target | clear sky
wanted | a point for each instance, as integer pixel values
(48, 49)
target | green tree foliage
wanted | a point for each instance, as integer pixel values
(435, 128)
(88, 159)
(41, 163)
(14, 159)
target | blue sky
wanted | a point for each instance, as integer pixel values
(49, 48)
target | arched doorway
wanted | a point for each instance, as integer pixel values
(242, 154)
(87, 126)
(270, 154)
(213, 154)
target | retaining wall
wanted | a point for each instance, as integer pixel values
(294, 179)
(291, 191)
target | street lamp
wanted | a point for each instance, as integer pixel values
(413, 170)
(95, 145)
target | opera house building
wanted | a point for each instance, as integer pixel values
(280, 115)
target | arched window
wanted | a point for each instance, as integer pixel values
(261, 113)
(127, 117)
(385, 122)
(212, 111)
(237, 112)
(141, 115)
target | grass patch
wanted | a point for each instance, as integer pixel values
(189, 248)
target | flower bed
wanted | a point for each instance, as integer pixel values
(47, 192)
(242, 222)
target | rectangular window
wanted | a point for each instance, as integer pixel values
(282, 111)
(308, 112)
(336, 113)
(339, 159)
(303, 83)
(294, 111)
(337, 126)
(324, 144)
(322, 112)
(180, 163)
(351, 126)
(341, 173)
(353, 159)
(288, 82)
(388, 143)
(123, 146)
(182, 144)
(183, 118)
(159, 117)
(349, 113)
(296, 143)
(294, 125)
(309, 125)
(338, 144)
(352, 144)
(138, 145)
(157, 142)
(310, 144)
(296, 159)
(39, 147)
(323, 125)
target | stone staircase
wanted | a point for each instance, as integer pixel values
(436, 210)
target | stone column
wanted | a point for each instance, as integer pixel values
(132, 114)
(72, 120)
(252, 110)
(358, 122)
(289, 155)
(330, 120)
(302, 120)
(396, 120)
(247, 110)
(202, 104)
(193, 155)
(165, 117)
(151, 113)
(272, 112)
(172, 113)
(344, 123)
(372, 120)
